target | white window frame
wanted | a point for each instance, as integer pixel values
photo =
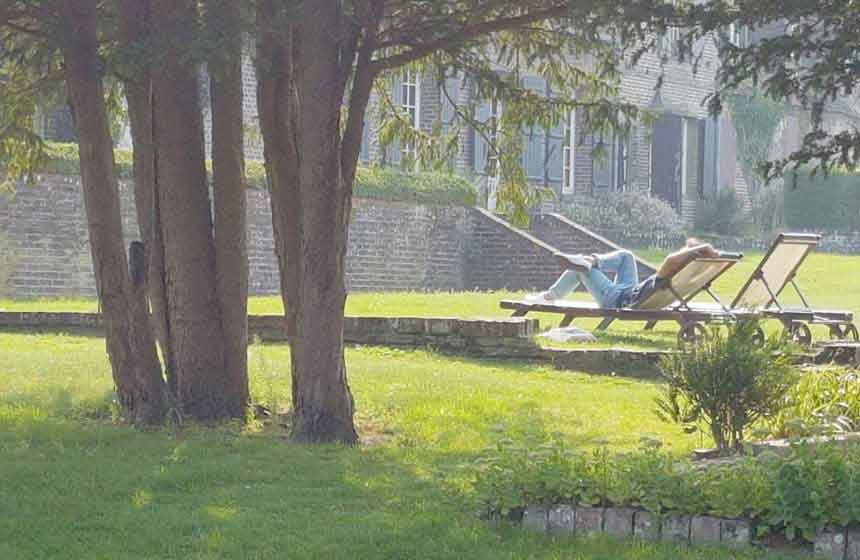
(569, 155)
(411, 96)
(493, 162)
(738, 35)
(685, 138)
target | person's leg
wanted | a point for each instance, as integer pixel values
(621, 263)
(566, 283)
(604, 291)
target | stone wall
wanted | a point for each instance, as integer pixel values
(570, 237)
(393, 246)
(501, 257)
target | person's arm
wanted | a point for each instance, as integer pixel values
(679, 259)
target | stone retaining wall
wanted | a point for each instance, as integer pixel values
(392, 245)
(836, 543)
(502, 338)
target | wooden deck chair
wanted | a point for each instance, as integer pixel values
(778, 268)
(670, 301)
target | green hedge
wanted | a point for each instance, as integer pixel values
(827, 204)
(430, 187)
(798, 494)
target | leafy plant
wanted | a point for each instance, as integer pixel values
(722, 214)
(756, 118)
(768, 212)
(7, 263)
(727, 382)
(823, 402)
(633, 217)
(427, 187)
(828, 203)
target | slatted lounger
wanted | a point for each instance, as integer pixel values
(669, 302)
(768, 281)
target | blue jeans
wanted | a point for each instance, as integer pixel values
(606, 292)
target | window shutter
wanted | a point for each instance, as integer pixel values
(448, 110)
(482, 148)
(709, 180)
(534, 139)
(555, 156)
(393, 153)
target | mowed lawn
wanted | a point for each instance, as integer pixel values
(828, 281)
(75, 485)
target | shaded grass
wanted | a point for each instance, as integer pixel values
(76, 486)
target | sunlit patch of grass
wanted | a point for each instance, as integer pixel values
(76, 485)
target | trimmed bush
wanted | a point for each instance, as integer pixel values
(634, 218)
(722, 214)
(431, 187)
(825, 204)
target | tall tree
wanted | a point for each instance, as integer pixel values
(802, 53)
(316, 56)
(130, 344)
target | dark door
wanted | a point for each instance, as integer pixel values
(666, 159)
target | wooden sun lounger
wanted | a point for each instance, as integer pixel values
(669, 302)
(773, 274)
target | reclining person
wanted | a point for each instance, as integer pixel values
(625, 290)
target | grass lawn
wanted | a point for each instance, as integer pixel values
(77, 486)
(828, 281)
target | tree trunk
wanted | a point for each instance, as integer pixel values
(304, 67)
(130, 346)
(228, 179)
(135, 30)
(196, 340)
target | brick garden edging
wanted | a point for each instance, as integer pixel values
(835, 543)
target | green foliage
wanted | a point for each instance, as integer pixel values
(768, 212)
(631, 216)
(727, 383)
(822, 402)
(823, 203)
(8, 260)
(799, 493)
(431, 187)
(723, 214)
(755, 119)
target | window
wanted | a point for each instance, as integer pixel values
(739, 35)
(569, 154)
(410, 98)
(669, 42)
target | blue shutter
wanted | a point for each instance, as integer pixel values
(482, 149)
(393, 155)
(601, 170)
(555, 156)
(448, 109)
(710, 186)
(534, 139)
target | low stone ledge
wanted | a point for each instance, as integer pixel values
(837, 543)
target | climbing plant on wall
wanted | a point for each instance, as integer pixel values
(755, 118)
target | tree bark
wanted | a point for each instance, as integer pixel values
(135, 30)
(130, 346)
(196, 340)
(304, 69)
(228, 179)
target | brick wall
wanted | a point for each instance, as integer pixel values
(503, 257)
(393, 246)
(569, 237)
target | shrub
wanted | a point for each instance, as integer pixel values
(822, 402)
(827, 204)
(727, 382)
(722, 214)
(634, 218)
(800, 493)
(767, 209)
(7, 264)
(429, 187)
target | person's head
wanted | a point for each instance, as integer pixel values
(693, 242)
